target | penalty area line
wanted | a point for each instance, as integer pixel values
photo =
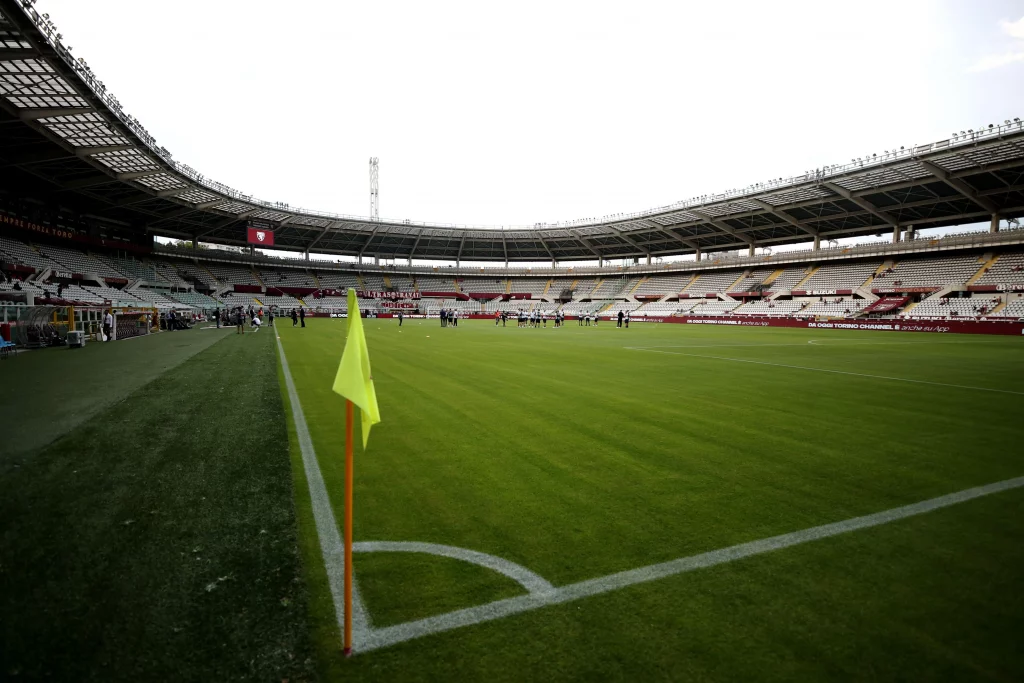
(392, 635)
(834, 372)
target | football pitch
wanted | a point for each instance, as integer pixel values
(595, 472)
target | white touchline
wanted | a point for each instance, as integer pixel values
(835, 372)
(392, 635)
(323, 514)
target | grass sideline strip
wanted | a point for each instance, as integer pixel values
(158, 541)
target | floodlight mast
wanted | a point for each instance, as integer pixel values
(374, 191)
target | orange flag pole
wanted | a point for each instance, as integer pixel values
(348, 528)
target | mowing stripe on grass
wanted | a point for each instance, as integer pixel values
(326, 526)
(834, 372)
(392, 635)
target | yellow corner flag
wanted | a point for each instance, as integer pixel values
(354, 380)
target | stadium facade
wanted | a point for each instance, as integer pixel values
(74, 160)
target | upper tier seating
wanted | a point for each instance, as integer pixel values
(1009, 269)
(929, 272)
(427, 283)
(485, 285)
(663, 284)
(751, 282)
(338, 281)
(22, 253)
(533, 285)
(80, 262)
(840, 276)
(714, 281)
(233, 275)
(787, 279)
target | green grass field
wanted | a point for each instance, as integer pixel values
(156, 524)
(576, 454)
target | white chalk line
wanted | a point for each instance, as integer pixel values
(323, 514)
(817, 342)
(392, 635)
(834, 372)
(534, 583)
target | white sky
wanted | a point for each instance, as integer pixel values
(515, 113)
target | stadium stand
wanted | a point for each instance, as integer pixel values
(1008, 269)
(1013, 309)
(928, 272)
(839, 276)
(714, 281)
(787, 279)
(770, 308)
(663, 284)
(948, 308)
(834, 308)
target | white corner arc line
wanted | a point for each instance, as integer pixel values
(533, 583)
(392, 635)
(323, 514)
(835, 372)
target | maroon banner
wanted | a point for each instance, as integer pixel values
(1012, 287)
(821, 292)
(744, 295)
(17, 268)
(898, 289)
(397, 304)
(904, 325)
(375, 294)
(887, 304)
(261, 237)
(115, 280)
(249, 289)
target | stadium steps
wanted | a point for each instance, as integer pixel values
(387, 281)
(909, 308)
(773, 277)
(743, 276)
(981, 271)
(508, 286)
(316, 280)
(547, 287)
(810, 274)
(597, 285)
(689, 284)
(256, 275)
(640, 282)
(359, 279)
(1000, 306)
(888, 263)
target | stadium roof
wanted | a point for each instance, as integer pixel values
(63, 135)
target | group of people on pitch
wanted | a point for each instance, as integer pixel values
(449, 317)
(239, 314)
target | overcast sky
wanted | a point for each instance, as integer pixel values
(514, 113)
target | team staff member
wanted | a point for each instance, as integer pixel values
(302, 315)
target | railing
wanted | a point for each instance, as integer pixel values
(81, 68)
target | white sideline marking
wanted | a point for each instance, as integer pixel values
(822, 342)
(835, 372)
(326, 527)
(391, 635)
(533, 583)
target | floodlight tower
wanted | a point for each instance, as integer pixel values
(374, 191)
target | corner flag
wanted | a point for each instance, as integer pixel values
(354, 380)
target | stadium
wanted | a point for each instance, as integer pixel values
(767, 434)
